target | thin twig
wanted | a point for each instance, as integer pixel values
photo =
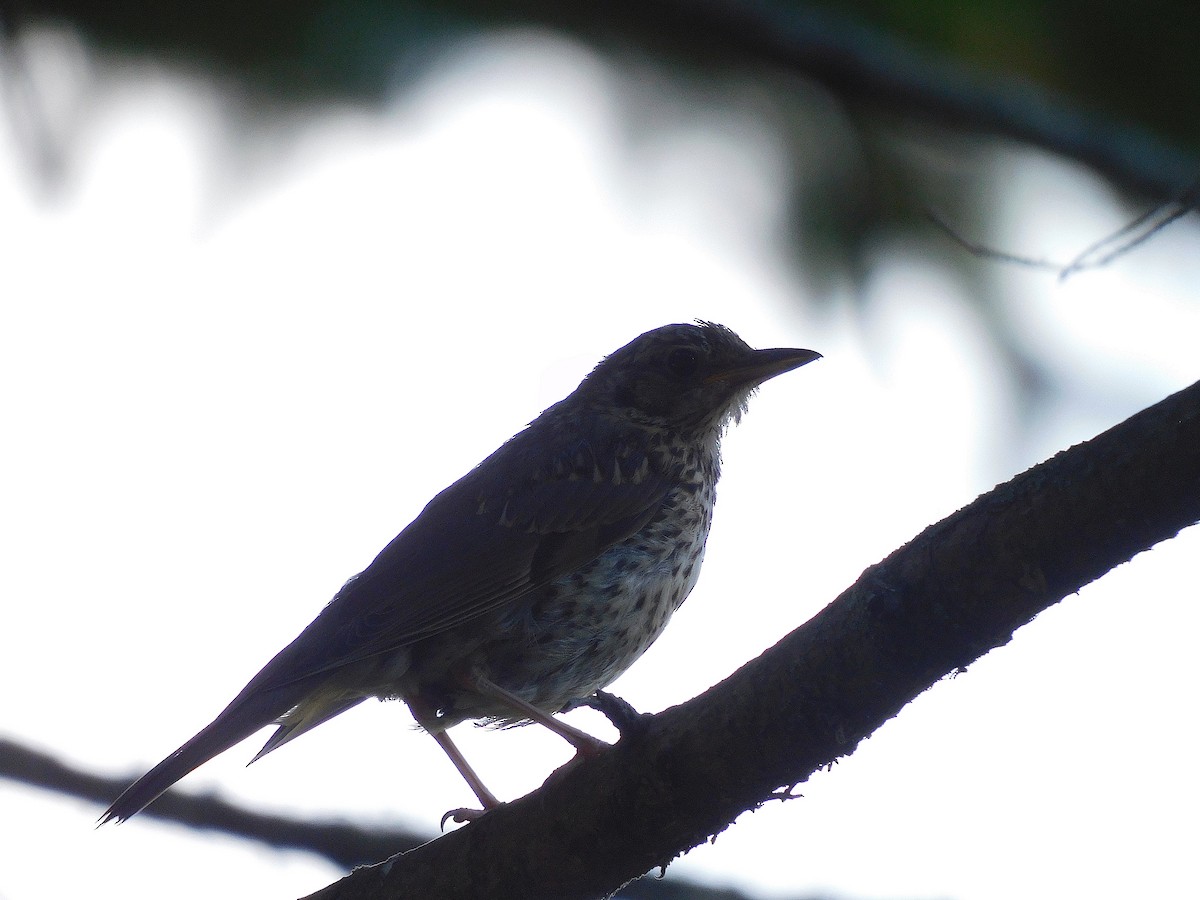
(1097, 254)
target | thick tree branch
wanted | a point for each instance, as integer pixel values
(959, 589)
(341, 843)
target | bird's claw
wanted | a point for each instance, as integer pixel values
(461, 816)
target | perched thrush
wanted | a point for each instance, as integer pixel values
(533, 581)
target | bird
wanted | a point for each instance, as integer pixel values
(532, 582)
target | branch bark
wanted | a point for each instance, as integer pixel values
(960, 588)
(343, 844)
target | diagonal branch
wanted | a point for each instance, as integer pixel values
(342, 843)
(960, 588)
(869, 66)
(860, 63)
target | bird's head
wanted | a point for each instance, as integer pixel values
(686, 377)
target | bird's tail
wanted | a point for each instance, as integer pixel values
(306, 715)
(238, 721)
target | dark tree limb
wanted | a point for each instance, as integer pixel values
(862, 64)
(959, 589)
(342, 843)
(871, 67)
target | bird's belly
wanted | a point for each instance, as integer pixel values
(578, 634)
(575, 635)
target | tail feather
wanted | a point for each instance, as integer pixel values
(308, 714)
(239, 720)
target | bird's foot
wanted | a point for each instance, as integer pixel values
(463, 815)
(624, 717)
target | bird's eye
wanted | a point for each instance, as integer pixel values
(683, 361)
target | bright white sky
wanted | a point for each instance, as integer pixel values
(226, 388)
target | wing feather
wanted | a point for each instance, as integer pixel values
(487, 540)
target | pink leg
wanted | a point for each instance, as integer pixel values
(425, 716)
(583, 742)
(486, 797)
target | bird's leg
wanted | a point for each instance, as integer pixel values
(425, 717)
(584, 743)
(486, 797)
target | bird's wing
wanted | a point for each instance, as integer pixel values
(474, 547)
(528, 515)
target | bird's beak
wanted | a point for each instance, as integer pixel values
(764, 364)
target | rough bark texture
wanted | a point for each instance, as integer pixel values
(959, 589)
